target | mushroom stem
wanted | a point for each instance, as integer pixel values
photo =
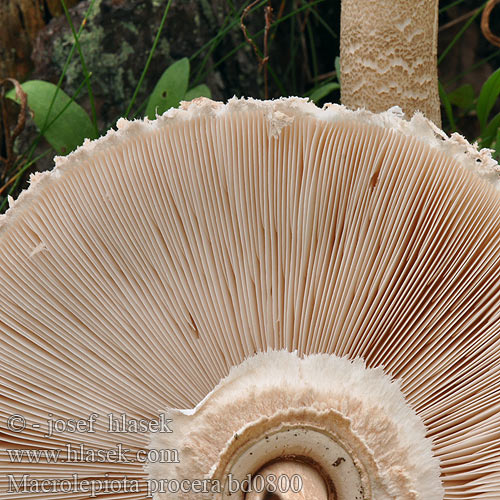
(388, 52)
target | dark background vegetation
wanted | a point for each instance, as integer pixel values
(118, 36)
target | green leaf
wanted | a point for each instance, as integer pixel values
(198, 91)
(490, 132)
(447, 106)
(496, 153)
(323, 91)
(66, 126)
(487, 97)
(463, 96)
(337, 68)
(170, 89)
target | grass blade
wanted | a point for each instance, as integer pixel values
(84, 67)
(150, 57)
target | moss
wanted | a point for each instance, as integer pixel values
(114, 72)
(96, 10)
(130, 75)
(90, 42)
(208, 12)
(163, 47)
(130, 27)
(107, 68)
(197, 20)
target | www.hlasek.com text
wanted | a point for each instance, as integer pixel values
(82, 454)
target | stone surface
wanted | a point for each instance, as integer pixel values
(116, 42)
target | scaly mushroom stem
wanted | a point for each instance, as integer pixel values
(388, 52)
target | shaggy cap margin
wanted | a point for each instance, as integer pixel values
(279, 113)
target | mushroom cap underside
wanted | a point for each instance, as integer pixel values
(151, 261)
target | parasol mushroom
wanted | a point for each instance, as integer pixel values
(150, 262)
(156, 261)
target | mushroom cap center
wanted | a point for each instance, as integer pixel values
(280, 427)
(293, 462)
(291, 480)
